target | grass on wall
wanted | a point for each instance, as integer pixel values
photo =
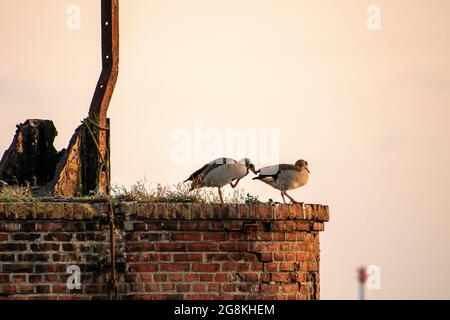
(179, 193)
(139, 191)
(15, 194)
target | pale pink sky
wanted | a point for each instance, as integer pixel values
(369, 110)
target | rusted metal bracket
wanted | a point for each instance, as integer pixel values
(101, 100)
(85, 167)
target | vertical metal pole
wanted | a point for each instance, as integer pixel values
(97, 162)
(98, 114)
(362, 279)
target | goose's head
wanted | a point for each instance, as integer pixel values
(302, 164)
(248, 164)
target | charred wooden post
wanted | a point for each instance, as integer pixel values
(85, 167)
(31, 159)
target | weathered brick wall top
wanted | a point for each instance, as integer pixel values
(163, 251)
(161, 211)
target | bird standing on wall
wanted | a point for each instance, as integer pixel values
(219, 173)
(285, 177)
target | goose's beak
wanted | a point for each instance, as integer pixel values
(308, 170)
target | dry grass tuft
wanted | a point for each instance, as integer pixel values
(15, 193)
(179, 193)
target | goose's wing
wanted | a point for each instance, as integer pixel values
(287, 167)
(203, 171)
(276, 169)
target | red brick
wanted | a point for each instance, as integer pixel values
(160, 277)
(229, 287)
(280, 277)
(174, 267)
(175, 247)
(176, 277)
(229, 266)
(136, 287)
(34, 278)
(290, 236)
(46, 268)
(140, 226)
(201, 297)
(235, 236)
(90, 236)
(199, 287)
(151, 287)
(139, 247)
(188, 257)
(7, 257)
(150, 236)
(156, 257)
(32, 257)
(289, 288)
(206, 277)
(217, 257)
(272, 266)
(9, 289)
(167, 287)
(168, 296)
(303, 226)
(50, 278)
(26, 289)
(243, 266)
(214, 236)
(290, 256)
(186, 236)
(145, 277)
(26, 236)
(48, 246)
(42, 289)
(19, 278)
(202, 246)
(191, 277)
(220, 277)
(183, 288)
(4, 278)
(143, 267)
(205, 267)
(13, 246)
(18, 268)
(287, 266)
(278, 256)
(133, 257)
(250, 277)
(271, 288)
(227, 246)
(266, 257)
(278, 236)
(58, 288)
(213, 287)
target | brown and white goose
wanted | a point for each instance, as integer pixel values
(285, 177)
(219, 173)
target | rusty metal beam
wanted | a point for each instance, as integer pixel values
(85, 167)
(96, 157)
(110, 61)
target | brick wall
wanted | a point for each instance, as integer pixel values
(163, 251)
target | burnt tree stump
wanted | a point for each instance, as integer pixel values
(31, 159)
